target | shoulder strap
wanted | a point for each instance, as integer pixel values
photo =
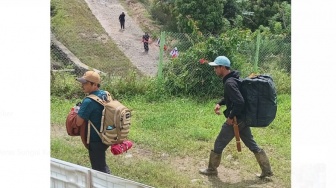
(90, 123)
(89, 129)
(96, 98)
(99, 100)
(237, 80)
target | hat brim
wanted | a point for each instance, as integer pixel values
(213, 64)
(81, 80)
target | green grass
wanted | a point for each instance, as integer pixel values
(181, 128)
(169, 135)
(76, 27)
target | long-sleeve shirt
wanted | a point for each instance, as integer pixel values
(233, 99)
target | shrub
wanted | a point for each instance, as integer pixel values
(64, 85)
(187, 75)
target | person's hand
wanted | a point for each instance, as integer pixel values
(217, 108)
(229, 121)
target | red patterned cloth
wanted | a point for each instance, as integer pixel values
(117, 149)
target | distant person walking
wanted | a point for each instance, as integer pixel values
(174, 53)
(145, 39)
(122, 20)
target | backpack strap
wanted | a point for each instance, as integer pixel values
(88, 136)
(96, 98)
(100, 101)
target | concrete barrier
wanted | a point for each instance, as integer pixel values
(68, 175)
(80, 67)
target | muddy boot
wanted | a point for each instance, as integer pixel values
(213, 164)
(264, 164)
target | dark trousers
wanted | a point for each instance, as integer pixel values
(98, 157)
(122, 24)
(146, 46)
(227, 134)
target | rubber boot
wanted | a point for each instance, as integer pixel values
(214, 162)
(264, 164)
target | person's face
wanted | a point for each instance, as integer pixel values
(219, 70)
(88, 87)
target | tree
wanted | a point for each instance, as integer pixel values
(162, 11)
(205, 16)
(282, 19)
(231, 10)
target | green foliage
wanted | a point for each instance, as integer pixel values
(64, 85)
(162, 11)
(266, 13)
(222, 15)
(186, 75)
(281, 21)
(272, 48)
(231, 11)
(53, 10)
(206, 15)
(281, 77)
(133, 85)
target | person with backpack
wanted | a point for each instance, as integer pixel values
(122, 20)
(234, 101)
(91, 111)
(145, 40)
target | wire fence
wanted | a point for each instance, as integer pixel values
(182, 55)
(261, 52)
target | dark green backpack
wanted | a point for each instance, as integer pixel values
(260, 100)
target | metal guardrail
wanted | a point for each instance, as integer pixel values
(68, 175)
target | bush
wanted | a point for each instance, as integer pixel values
(282, 80)
(64, 85)
(126, 86)
(187, 75)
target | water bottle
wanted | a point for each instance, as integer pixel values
(76, 109)
(110, 127)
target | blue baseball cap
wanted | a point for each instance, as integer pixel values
(221, 60)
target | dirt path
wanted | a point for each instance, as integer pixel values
(129, 40)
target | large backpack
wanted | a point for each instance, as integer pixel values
(260, 98)
(115, 122)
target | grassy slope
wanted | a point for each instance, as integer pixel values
(76, 27)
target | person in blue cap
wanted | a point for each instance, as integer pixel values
(234, 102)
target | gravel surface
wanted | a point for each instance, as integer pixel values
(129, 40)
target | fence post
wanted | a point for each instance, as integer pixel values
(162, 43)
(256, 58)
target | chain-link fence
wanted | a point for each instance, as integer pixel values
(182, 56)
(184, 59)
(261, 51)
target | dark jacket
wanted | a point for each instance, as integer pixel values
(233, 99)
(122, 17)
(145, 38)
